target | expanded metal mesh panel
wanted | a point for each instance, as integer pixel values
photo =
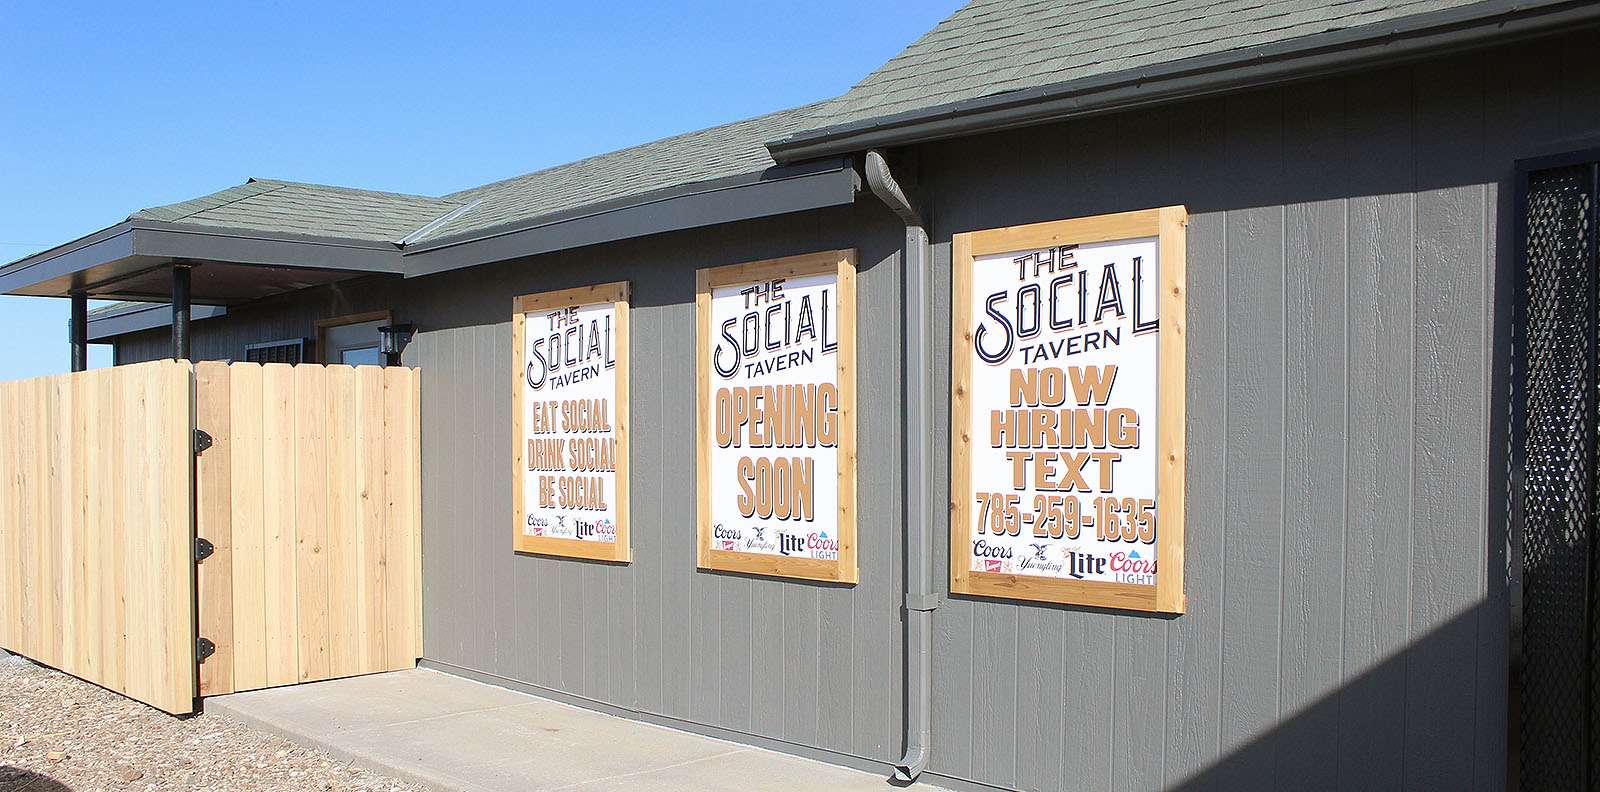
(1558, 491)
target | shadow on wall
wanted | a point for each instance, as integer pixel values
(15, 779)
(1384, 728)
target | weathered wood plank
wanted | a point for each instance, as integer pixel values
(173, 528)
(399, 537)
(114, 634)
(214, 512)
(344, 556)
(9, 529)
(371, 515)
(245, 400)
(311, 521)
(278, 524)
(138, 562)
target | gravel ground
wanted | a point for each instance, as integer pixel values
(61, 733)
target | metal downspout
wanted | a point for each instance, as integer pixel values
(921, 599)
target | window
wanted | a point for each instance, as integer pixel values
(361, 356)
(291, 351)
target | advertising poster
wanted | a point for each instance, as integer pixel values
(777, 417)
(571, 412)
(1068, 359)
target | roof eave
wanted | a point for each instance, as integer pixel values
(272, 248)
(775, 191)
(134, 246)
(1395, 41)
(131, 319)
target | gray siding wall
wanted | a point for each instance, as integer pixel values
(656, 635)
(1346, 570)
(1347, 623)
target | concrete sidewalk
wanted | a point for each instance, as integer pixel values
(455, 734)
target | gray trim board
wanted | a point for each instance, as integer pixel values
(132, 319)
(99, 261)
(781, 191)
(246, 246)
(1368, 46)
(108, 244)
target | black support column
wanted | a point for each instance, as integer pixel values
(180, 311)
(78, 331)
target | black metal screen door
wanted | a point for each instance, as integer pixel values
(1556, 492)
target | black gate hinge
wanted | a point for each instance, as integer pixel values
(203, 548)
(202, 441)
(204, 648)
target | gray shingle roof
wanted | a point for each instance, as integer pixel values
(996, 46)
(729, 150)
(261, 204)
(315, 209)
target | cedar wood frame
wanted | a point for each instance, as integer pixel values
(620, 551)
(841, 264)
(1168, 225)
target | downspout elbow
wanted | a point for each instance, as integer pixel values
(912, 764)
(888, 190)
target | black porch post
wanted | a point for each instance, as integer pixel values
(180, 311)
(78, 331)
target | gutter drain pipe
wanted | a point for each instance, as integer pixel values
(920, 597)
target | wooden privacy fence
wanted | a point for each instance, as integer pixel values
(307, 498)
(309, 495)
(96, 574)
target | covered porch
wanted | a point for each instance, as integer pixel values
(216, 252)
(177, 529)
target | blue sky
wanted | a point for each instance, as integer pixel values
(107, 109)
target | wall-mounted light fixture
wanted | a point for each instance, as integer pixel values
(392, 340)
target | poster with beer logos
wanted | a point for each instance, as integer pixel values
(1067, 411)
(776, 432)
(570, 412)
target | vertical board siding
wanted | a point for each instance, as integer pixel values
(95, 530)
(810, 664)
(1346, 588)
(314, 479)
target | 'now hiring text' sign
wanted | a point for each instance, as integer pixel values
(1067, 356)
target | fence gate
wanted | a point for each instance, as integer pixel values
(1555, 486)
(308, 498)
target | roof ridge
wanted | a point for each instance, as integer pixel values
(340, 188)
(194, 211)
(562, 165)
